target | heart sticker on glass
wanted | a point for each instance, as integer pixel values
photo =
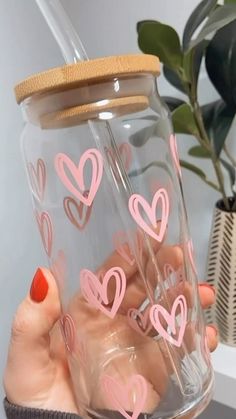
(45, 228)
(77, 212)
(139, 321)
(145, 214)
(171, 333)
(38, 178)
(129, 397)
(73, 177)
(96, 292)
(122, 247)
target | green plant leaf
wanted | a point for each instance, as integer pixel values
(230, 1)
(173, 78)
(198, 172)
(220, 17)
(161, 40)
(141, 22)
(218, 118)
(222, 123)
(192, 61)
(139, 138)
(195, 19)
(194, 169)
(230, 169)
(221, 63)
(183, 120)
(200, 152)
(172, 102)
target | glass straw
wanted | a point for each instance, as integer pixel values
(63, 31)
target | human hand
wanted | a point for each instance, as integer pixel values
(37, 373)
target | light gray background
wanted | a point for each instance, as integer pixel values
(107, 27)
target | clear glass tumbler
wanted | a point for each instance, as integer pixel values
(104, 173)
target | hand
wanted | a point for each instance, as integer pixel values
(37, 373)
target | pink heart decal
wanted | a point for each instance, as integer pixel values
(62, 162)
(38, 178)
(95, 292)
(139, 321)
(168, 271)
(157, 310)
(173, 277)
(175, 155)
(161, 197)
(68, 332)
(170, 275)
(121, 396)
(78, 213)
(45, 228)
(122, 247)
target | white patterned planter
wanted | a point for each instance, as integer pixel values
(221, 272)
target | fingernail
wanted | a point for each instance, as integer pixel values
(213, 327)
(39, 287)
(211, 287)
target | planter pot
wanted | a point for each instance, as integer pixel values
(221, 272)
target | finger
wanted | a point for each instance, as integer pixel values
(29, 349)
(39, 311)
(207, 298)
(206, 294)
(167, 256)
(140, 288)
(143, 245)
(212, 337)
(191, 341)
(174, 257)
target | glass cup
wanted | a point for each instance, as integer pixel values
(103, 168)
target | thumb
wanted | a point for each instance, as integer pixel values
(29, 349)
(39, 311)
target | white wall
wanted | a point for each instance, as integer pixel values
(106, 27)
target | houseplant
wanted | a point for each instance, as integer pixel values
(209, 124)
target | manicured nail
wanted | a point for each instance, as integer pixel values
(213, 327)
(211, 287)
(39, 287)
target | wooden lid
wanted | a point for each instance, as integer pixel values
(78, 114)
(74, 75)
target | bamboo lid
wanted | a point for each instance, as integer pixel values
(78, 114)
(75, 75)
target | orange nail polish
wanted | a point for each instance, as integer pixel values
(39, 287)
